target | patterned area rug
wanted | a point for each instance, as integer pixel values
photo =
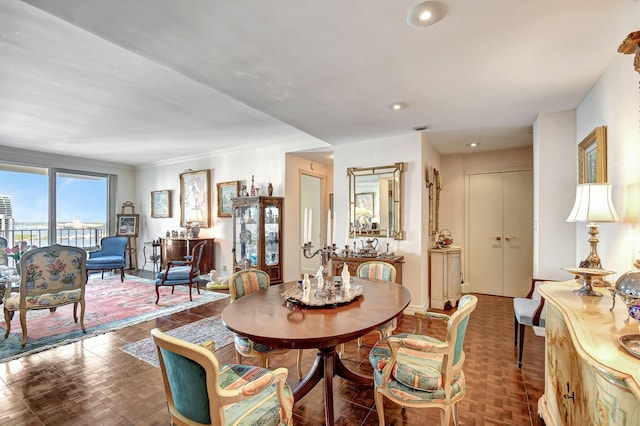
(197, 332)
(110, 305)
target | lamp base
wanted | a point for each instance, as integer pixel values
(195, 231)
(587, 289)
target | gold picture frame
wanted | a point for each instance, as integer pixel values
(161, 203)
(226, 191)
(592, 157)
(194, 194)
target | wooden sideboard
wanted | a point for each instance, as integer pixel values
(354, 262)
(178, 248)
(589, 378)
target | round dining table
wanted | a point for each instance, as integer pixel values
(269, 318)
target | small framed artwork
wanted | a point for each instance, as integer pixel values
(194, 195)
(592, 157)
(161, 203)
(226, 191)
(128, 225)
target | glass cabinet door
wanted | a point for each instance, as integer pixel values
(271, 235)
(246, 226)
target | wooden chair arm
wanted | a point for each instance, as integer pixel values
(427, 316)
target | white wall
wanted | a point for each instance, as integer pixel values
(555, 178)
(614, 102)
(415, 153)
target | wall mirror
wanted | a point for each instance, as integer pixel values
(375, 201)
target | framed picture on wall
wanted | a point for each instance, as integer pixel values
(194, 195)
(226, 191)
(592, 157)
(161, 203)
(128, 225)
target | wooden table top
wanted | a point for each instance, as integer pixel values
(266, 317)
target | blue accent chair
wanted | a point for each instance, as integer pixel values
(181, 272)
(415, 370)
(110, 256)
(200, 391)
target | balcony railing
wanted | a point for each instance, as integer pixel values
(84, 238)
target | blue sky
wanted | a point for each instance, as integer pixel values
(82, 199)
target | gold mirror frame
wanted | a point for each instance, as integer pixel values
(592, 157)
(361, 223)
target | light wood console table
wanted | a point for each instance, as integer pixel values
(589, 378)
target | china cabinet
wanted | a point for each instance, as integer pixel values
(178, 248)
(589, 378)
(444, 277)
(257, 234)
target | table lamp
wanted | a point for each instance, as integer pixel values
(593, 204)
(195, 218)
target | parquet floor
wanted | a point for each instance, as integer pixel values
(93, 382)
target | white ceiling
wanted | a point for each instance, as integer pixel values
(151, 80)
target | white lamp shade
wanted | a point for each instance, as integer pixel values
(196, 216)
(593, 204)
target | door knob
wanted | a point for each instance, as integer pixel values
(498, 237)
(509, 238)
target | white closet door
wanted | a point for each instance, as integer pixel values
(500, 229)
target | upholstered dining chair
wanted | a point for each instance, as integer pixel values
(109, 257)
(242, 283)
(200, 391)
(181, 272)
(382, 271)
(50, 277)
(415, 370)
(528, 311)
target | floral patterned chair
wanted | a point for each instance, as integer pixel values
(51, 276)
(242, 283)
(109, 257)
(202, 392)
(415, 370)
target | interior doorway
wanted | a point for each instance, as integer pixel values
(311, 200)
(500, 232)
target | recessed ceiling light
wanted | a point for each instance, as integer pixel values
(473, 144)
(426, 13)
(397, 106)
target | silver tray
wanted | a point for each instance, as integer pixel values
(334, 296)
(631, 342)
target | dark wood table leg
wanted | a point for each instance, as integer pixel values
(327, 365)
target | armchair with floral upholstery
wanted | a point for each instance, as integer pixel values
(200, 391)
(51, 277)
(415, 370)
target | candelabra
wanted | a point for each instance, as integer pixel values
(326, 251)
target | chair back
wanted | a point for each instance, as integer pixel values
(191, 380)
(111, 246)
(196, 255)
(248, 281)
(457, 329)
(3, 255)
(377, 270)
(50, 270)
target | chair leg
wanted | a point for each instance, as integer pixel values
(521, 345)
(299, 363)
(454, 414)
(75, 312)
(238, 357)
(379, 406)
(190, 297)
(82, 306)
(157, 294)
(23, 325)
(445, 416)
(122, 274)
(515, 331)
(8, 315)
